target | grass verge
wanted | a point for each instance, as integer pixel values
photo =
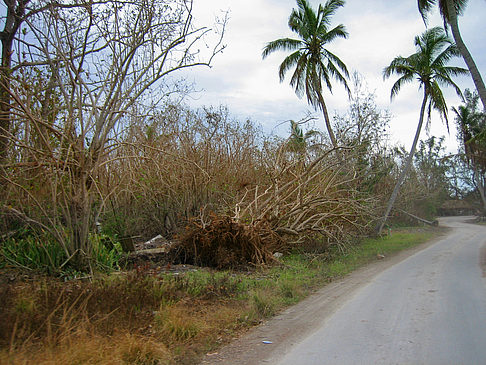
(150, 317)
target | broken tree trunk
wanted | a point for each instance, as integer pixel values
(430, 223)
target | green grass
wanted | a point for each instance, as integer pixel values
(268, 291)
(370, 248)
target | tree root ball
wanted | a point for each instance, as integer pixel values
(225, 243)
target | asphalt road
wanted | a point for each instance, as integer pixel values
(428, 309)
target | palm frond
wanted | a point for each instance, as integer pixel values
(424, 7)
(338, 76)
(400, 66)
(333, 58)
(399, 83)
(438, 101)
(337, 32)
(445, 80)
(289, 62)
(330, 8)
(283, 44)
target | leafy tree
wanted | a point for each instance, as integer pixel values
(471, 126)
(449, 10)
(312, 61)
(428, 161)
(364, 128)
(428, 65)
(431, 170)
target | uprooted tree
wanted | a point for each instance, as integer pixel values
(82, 75)
(315, 198)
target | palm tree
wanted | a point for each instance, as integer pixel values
(429, 66)
(298, 140)
(313, 62)
(449, 10)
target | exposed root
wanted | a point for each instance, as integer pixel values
(225, 243)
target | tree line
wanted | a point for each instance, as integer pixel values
(96, 149)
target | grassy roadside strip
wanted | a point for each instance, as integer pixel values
(145, 317)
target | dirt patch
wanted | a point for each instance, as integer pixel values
(276, 337)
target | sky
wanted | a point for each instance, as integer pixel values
(379, 30)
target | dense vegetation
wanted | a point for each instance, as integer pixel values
(99, 152)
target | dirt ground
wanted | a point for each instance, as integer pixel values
(276, 336)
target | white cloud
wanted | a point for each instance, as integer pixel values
(379, 31)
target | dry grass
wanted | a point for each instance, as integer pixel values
(88, 348)
(135, 318)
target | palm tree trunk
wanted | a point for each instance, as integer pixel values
(404, 171)
(471, 65)
(326, 120)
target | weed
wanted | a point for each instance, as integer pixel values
(263, 303)
(44, 254)
(176, 324)
(105, 256)
(40, 253)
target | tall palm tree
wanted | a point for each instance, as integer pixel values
(312, 61)
(428, 65)
(449, 10)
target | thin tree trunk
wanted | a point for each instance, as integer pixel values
(471, 65)
(12, 21)
(327, 121)
(406, 168)
(5, 97)
(480, 186)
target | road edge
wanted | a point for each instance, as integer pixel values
(288, 328)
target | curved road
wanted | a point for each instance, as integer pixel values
(428, 309)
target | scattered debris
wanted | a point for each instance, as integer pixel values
(157, 242)
(267, 342)
(277, 255)
(380, 256)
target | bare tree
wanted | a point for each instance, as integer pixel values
(107, 63)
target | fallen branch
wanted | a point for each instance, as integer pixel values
(434, 223)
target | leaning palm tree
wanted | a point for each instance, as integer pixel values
(312, 61)
(449, 10)
(429, 66)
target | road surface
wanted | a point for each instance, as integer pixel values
(424, 306)
(429, 309)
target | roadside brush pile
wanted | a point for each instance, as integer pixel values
(224, 243)
(314, 200)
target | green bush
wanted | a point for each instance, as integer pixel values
(105, 256)
(33, 253)
(44, 254)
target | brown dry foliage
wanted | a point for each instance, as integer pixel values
(225, 243)
(139, 318)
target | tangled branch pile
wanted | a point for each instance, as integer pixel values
(224, 243)
(305, 198)
(319, 196)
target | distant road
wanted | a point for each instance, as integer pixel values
(428, 309)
